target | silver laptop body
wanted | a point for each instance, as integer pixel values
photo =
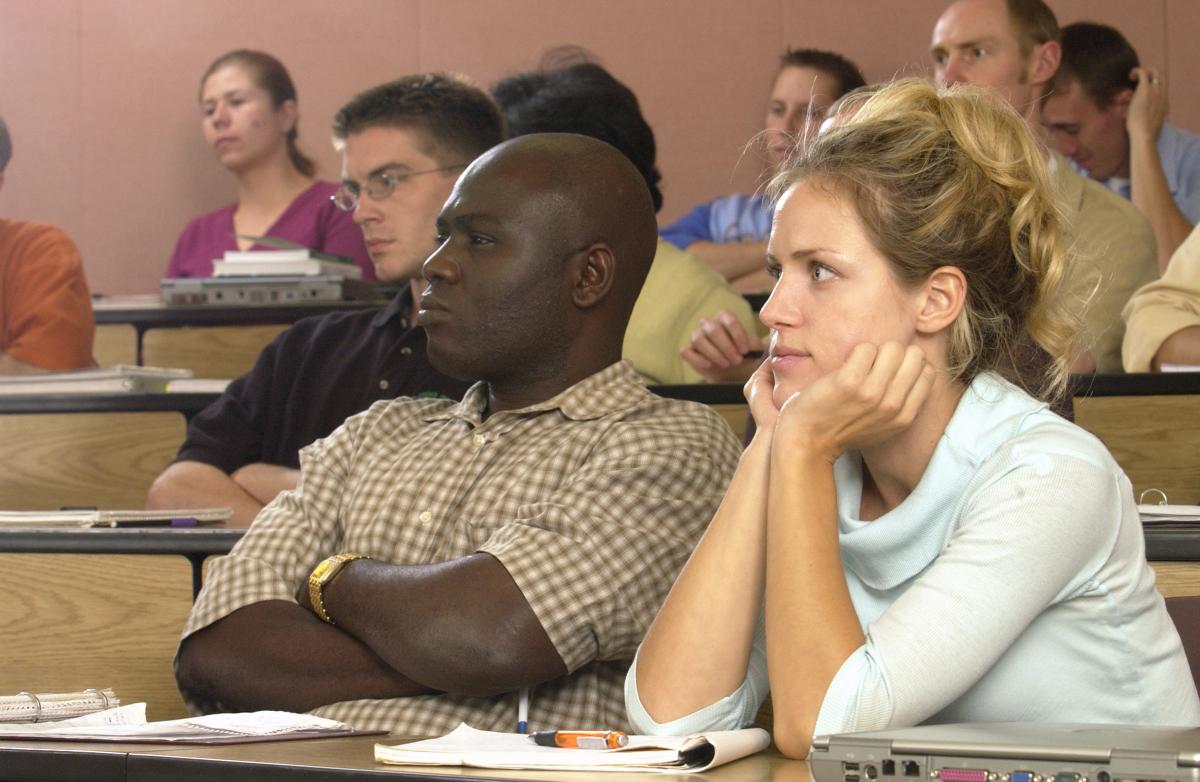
(1010, 752)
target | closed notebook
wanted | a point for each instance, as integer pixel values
(166, 517)
(466, 746)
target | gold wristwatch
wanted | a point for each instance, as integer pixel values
(321, 575)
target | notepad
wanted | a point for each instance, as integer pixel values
(466, 746)
(168, 517)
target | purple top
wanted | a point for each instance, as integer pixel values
(311, 220)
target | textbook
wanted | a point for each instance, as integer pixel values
(122, 377)
(128, 723)
(466, 746)
(305, 263)
(168, 517)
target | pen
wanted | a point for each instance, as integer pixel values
(523, 710)
(581, 739)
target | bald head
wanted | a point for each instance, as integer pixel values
(544, 245)
(586, 191)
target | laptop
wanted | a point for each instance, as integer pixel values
(264, 290)
(1010, 752)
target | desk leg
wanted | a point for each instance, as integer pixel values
(197, 561)
(140, 328)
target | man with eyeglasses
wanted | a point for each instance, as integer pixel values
(403, 145)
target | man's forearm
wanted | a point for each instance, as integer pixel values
(277, 655)
(1152, 196)
(1182, 347)
(198, 485)
(461, 626)
(264, 482)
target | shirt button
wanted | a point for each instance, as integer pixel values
(383, 385)
(425, 517)
(480, 439)
(406, 351)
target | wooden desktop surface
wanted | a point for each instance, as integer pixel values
(344, 758)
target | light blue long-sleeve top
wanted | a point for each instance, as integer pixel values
(1011, 585)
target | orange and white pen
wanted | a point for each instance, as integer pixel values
(581, 739)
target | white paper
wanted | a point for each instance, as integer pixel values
(466, 746)
(129, 723)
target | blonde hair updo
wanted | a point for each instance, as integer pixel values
(952, 177)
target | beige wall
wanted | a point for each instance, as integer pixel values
(100, 95)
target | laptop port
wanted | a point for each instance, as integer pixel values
(911, 768)
(889, 768)
(965, 775)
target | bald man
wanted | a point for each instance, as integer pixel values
(438, 557)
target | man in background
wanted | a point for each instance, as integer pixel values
(1012, 46)
(46, 318)
(403, 145)
(1108, 115)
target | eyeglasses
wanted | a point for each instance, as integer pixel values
(379, 186)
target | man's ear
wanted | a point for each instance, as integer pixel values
(594, 272)
(1044, 61)
(1120, 102)
(943, 295)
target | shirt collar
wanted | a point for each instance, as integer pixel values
(613, 388)
(400, 306)
(899, 545)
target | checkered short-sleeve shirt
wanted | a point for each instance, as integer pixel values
(591, 500)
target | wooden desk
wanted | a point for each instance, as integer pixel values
(1151, 425)
(103, 460)
(346, 758)
(100, 607)
(210, 329)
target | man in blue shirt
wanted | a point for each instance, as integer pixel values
(1106, 113)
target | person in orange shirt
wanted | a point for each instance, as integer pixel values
(45, 308)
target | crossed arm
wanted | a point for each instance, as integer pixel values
(461, 626)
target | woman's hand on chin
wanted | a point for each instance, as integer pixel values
(760, 394)
(875, 394)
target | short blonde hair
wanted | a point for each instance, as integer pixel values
(952, 177)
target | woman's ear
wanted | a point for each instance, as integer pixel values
(594, 275)
(943, 295)
(289, 115)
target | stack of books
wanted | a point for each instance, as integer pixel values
(119, 378)
(298, 262)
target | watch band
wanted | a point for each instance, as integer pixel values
(321, 575)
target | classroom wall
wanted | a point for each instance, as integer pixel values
(100, 95)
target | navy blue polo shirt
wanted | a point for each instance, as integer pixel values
(310, 379)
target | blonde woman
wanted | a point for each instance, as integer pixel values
(910, 536)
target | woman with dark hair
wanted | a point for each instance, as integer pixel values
(730, 233)
(250, 118)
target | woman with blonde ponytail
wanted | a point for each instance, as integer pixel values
(912, 535)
